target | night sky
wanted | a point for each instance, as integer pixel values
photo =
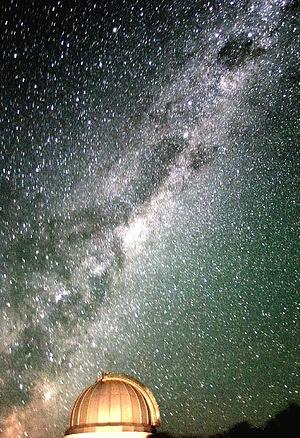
(149, 162)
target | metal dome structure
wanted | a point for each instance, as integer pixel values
(115, 403)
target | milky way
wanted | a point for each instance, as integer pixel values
(149, 182)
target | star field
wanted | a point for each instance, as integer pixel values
(149, 192)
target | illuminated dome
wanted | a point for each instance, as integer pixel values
(115, 403)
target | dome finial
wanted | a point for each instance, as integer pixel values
(103, 375)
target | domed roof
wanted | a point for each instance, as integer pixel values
(116, 402)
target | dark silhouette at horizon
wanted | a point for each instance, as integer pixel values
(284, 424)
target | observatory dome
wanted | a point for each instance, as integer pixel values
(115, 403)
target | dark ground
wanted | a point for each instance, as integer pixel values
(285, 424)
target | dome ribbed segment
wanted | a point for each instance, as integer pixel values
(115, 402)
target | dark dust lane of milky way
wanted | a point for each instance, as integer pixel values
(149, 178)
